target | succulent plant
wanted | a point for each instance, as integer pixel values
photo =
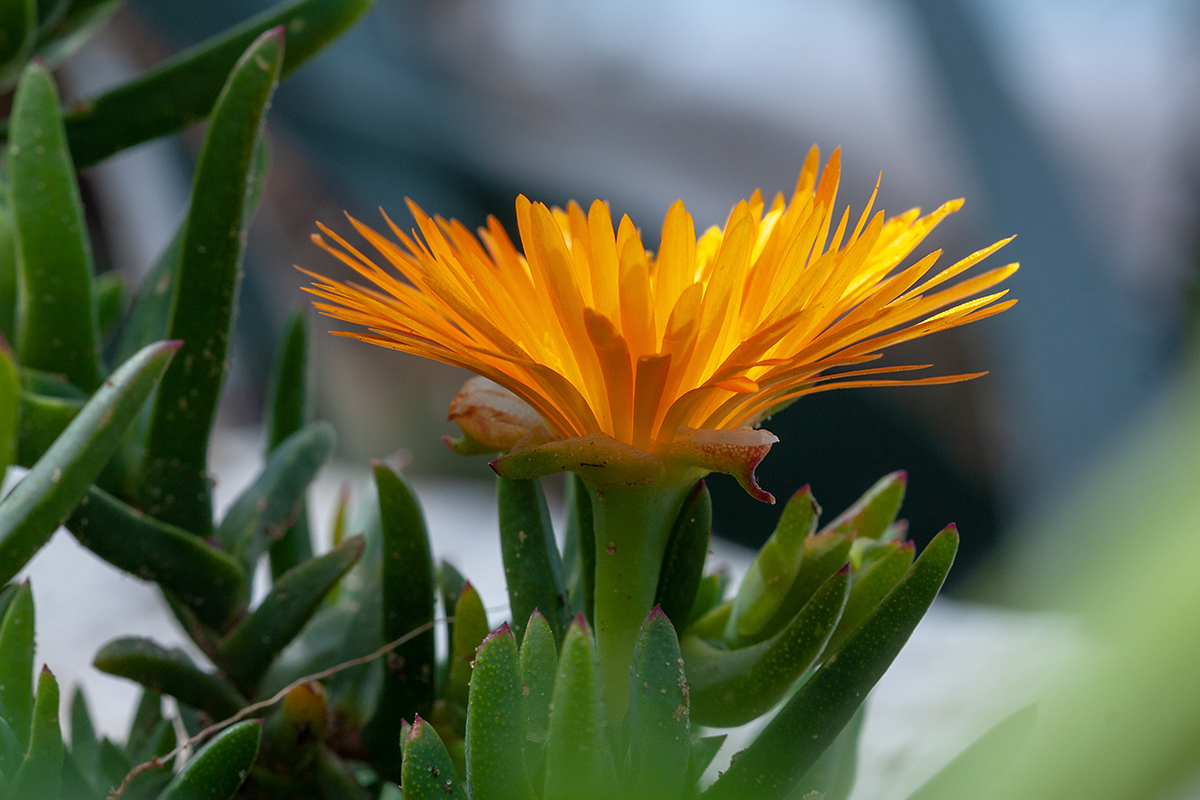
(331, 686)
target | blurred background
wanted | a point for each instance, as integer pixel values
(1075, 125)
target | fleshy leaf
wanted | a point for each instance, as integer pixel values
(16, 663)
(683, 563)
(40, 774)
(832, 777)
(221, 766)
(539, 663)
(495, 725)
(470, 629)
(170, 672)
(579, 548)
(427, 772)
(872, 513)
(532, 566)
(659, 726)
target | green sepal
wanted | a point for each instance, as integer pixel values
(408, 604)
(216, 772)
(42, 421)
(266, 509)
(40, 775)
(824, 554)
(16, 663)
(85, 749)
(868, 588)
(579, 763)
(579, 548)
(58, 481)
(56, 317)
(683, 562)
(539, 663)
(248, 651)
(470, 629)
(833, 776)
(773, 570)
(872, 513)
(532, 565)
(427, 772)
(733, 687)
(495, 745)
(170, 672)
(18, 32)
(174, 481)
(659, 727)
(183, 90)
(792, 742)
(212, 584)
(983, 764)
(10, 405)
(286, 413)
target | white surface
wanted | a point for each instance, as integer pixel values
(964, 668)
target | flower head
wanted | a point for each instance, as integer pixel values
(612, 361)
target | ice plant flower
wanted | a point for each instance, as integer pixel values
(643, 371)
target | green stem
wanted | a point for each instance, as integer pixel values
(632, 526)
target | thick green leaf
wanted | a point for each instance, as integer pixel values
(75, 786)
(56, 316)
(85, 749)
(872, 513)
(704, 750)
(733, 687)
(428, 773)
(77, 24)
(58, 481)
(579, 549)
(51, 384)
(450, 584)
(16, 663)
(175, 481)
(408, 603)
(470, 629)
(539, 663)
(354, 692)
(266, 509)
(659, 728)
(775, 762)
(18, 31)
(773, 570)
(579, 763)
(683, 563)
(43, 419)
(316, 648)
(11, 753)
(40, 774)
(253, 644)
(286, 413)
(8, 267)
(532, 566)
(114, 764)
(495, 725)
(832, 777)
(983, 763)
(216, 772)
(10, 393)
(709, 594)
(208, 581)
(170, 672)
(110, 302)
(868, 589)
(824, 554)
(142, 728)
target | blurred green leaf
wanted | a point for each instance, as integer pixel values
(11, 752)
(579, 763)
(60, 478)
(8, 265)
(450, 584)
(266, 508)
(146, 717)
(51, 384)
(773, 570)
(18, 31)
(16, 663)
(428, 773)
(50, 12)
(733, 687)
(983, 762)
(316, 648)
(532, 565)
(539, 664)
(208, 581)
(872, 513)
(833, 776)
(56, 317)
(79, 22)
(408, 604)
(42, 421)
(683, 562)
(10, 394)
(40, 775)
(85, 749)
(170, 672)
(75, 786)
(110, 302)
(216, 772)
(703, 751)
(659, 729)
(579, 549)
(495, 723)
(286, 413)
(251, 647)
(709, 594)
(183, 90)
(174, 484)
(787, 748)
(470, 629)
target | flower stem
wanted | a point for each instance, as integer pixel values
(632, 526)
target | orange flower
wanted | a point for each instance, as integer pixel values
(617, 363)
